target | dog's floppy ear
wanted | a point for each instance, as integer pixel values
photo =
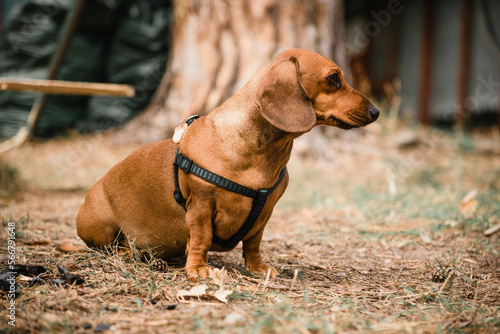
(282, 100)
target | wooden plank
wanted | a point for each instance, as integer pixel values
(66, 87)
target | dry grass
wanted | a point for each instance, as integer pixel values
(370, 239)
(9, 180)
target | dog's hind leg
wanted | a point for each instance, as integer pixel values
(95, 221)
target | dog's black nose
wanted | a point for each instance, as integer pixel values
(374, 113)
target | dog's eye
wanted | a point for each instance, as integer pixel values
(333, 80)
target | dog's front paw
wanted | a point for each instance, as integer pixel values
(194, 273)
(263, 270)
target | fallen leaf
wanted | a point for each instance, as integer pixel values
(492, 230)
(222, 295)
(51, 317)
(201, 291)
(217, 275)
(468, 205)
(233, 318)
(27, 269)
(425, 238)
(196, 291)
(69, 248)
(451, 223)
(70, 278)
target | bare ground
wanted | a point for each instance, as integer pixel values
(370, 237)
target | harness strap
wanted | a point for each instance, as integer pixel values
(177, 189)
(187, 165)
(257, 206)
(259, 196)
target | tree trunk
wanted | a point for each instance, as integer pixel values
(218, 45)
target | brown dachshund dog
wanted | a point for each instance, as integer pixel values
(247, 140)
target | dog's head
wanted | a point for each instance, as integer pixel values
(300, 89)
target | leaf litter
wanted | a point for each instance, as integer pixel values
(356, 251)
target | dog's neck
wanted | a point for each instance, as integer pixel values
(246, 135)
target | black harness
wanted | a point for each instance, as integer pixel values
(259, 196)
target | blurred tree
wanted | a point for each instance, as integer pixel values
(219, 44)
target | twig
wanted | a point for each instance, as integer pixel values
(267, 279)
(295, 274)
(448, 277)
(492, 230)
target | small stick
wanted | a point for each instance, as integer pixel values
(448, 277)
(295, 274)
(267, 280)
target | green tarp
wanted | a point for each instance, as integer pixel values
(123, 42)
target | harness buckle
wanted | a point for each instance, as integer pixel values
(185, 164)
